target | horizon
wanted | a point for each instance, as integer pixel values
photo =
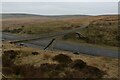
(55, 15)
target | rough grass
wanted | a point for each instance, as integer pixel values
(26, 58)
(101, 32)
(40, 28)
(49, 70)
(44, 25)
(41, 25)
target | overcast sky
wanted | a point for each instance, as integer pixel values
(61, 8)
(60, 0)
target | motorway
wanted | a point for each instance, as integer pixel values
(42, 42)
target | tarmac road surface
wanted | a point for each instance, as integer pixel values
(42, 43)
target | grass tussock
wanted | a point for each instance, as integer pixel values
(61, 58)
(52, 70)
(55, 64)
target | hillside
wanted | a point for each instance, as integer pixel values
(21, 61)
(23, 23)
(23, 15)
(25, 62)
(100, 30)
(103, 31)
(38, 23)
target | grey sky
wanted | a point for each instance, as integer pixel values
(61, 8)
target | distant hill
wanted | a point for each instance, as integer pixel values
(16, 15)
(21, 15)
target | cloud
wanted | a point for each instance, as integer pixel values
(61, 8)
